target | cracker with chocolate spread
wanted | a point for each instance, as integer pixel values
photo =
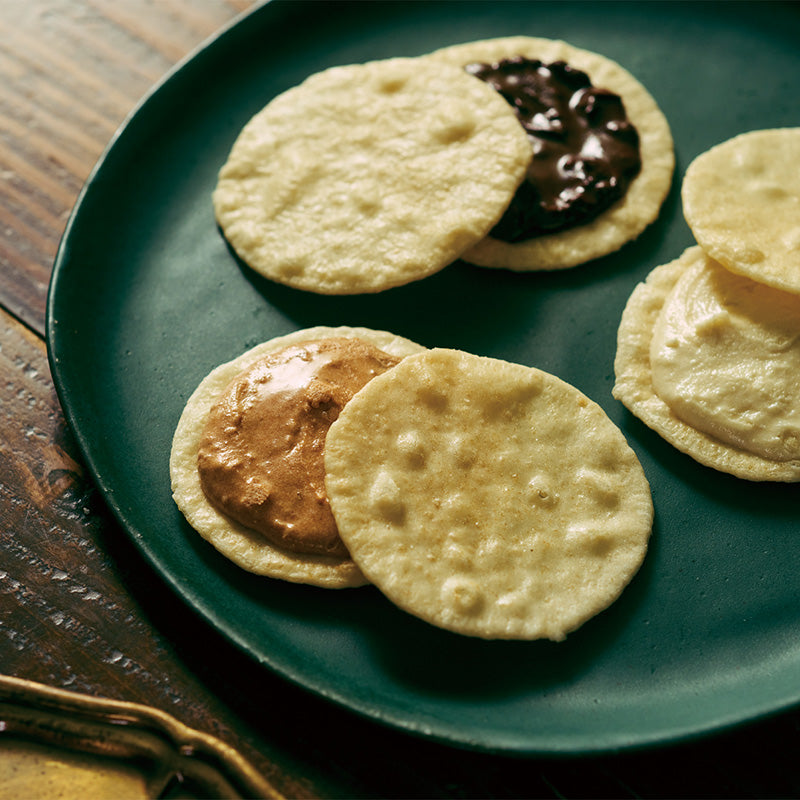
(741, 200)
(603, 152)
(246, 461)
(369, 176)
(709, 360)
(487, 498)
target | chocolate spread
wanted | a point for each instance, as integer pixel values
(261, 455)
(585, 150)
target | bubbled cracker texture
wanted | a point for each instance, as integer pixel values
(370, 176)
(487, 498)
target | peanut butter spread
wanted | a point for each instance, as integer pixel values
(261, 455)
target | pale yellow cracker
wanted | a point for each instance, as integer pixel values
(245, 547)
(742, 201)
(485, 497)
(727, 374)
(369, 176)
(626, 219)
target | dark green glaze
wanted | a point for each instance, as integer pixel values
(146, 298)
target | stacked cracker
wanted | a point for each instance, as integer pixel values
(709, 346)
(369, 176)
(626, 219)
(488, 498)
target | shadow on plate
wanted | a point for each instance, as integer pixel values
(364, 630)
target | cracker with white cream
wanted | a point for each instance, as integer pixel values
(488, 498)
(369, 176)
(741, 200)
(242, 545)
(709, 360)
(623, 221)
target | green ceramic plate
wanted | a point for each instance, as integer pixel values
(146, 298)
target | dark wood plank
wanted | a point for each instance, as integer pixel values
(69, 74)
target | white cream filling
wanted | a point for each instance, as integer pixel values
(725, 357)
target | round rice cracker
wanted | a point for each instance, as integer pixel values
(487, 498)
(245, 547)
(634, 387)
(741, 200)
(627, 218)
(369, 176)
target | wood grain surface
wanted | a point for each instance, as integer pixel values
(80, 609)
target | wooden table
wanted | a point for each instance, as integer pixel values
(79, 608)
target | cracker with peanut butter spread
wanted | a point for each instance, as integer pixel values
(709, 359)
(369, 176)
(603, 152)
(741, 200)
(488, 498)
(246, 462)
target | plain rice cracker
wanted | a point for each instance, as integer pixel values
(627, 218)
(487, 498)
(247, 548)
(741, 200)
(369, 176)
